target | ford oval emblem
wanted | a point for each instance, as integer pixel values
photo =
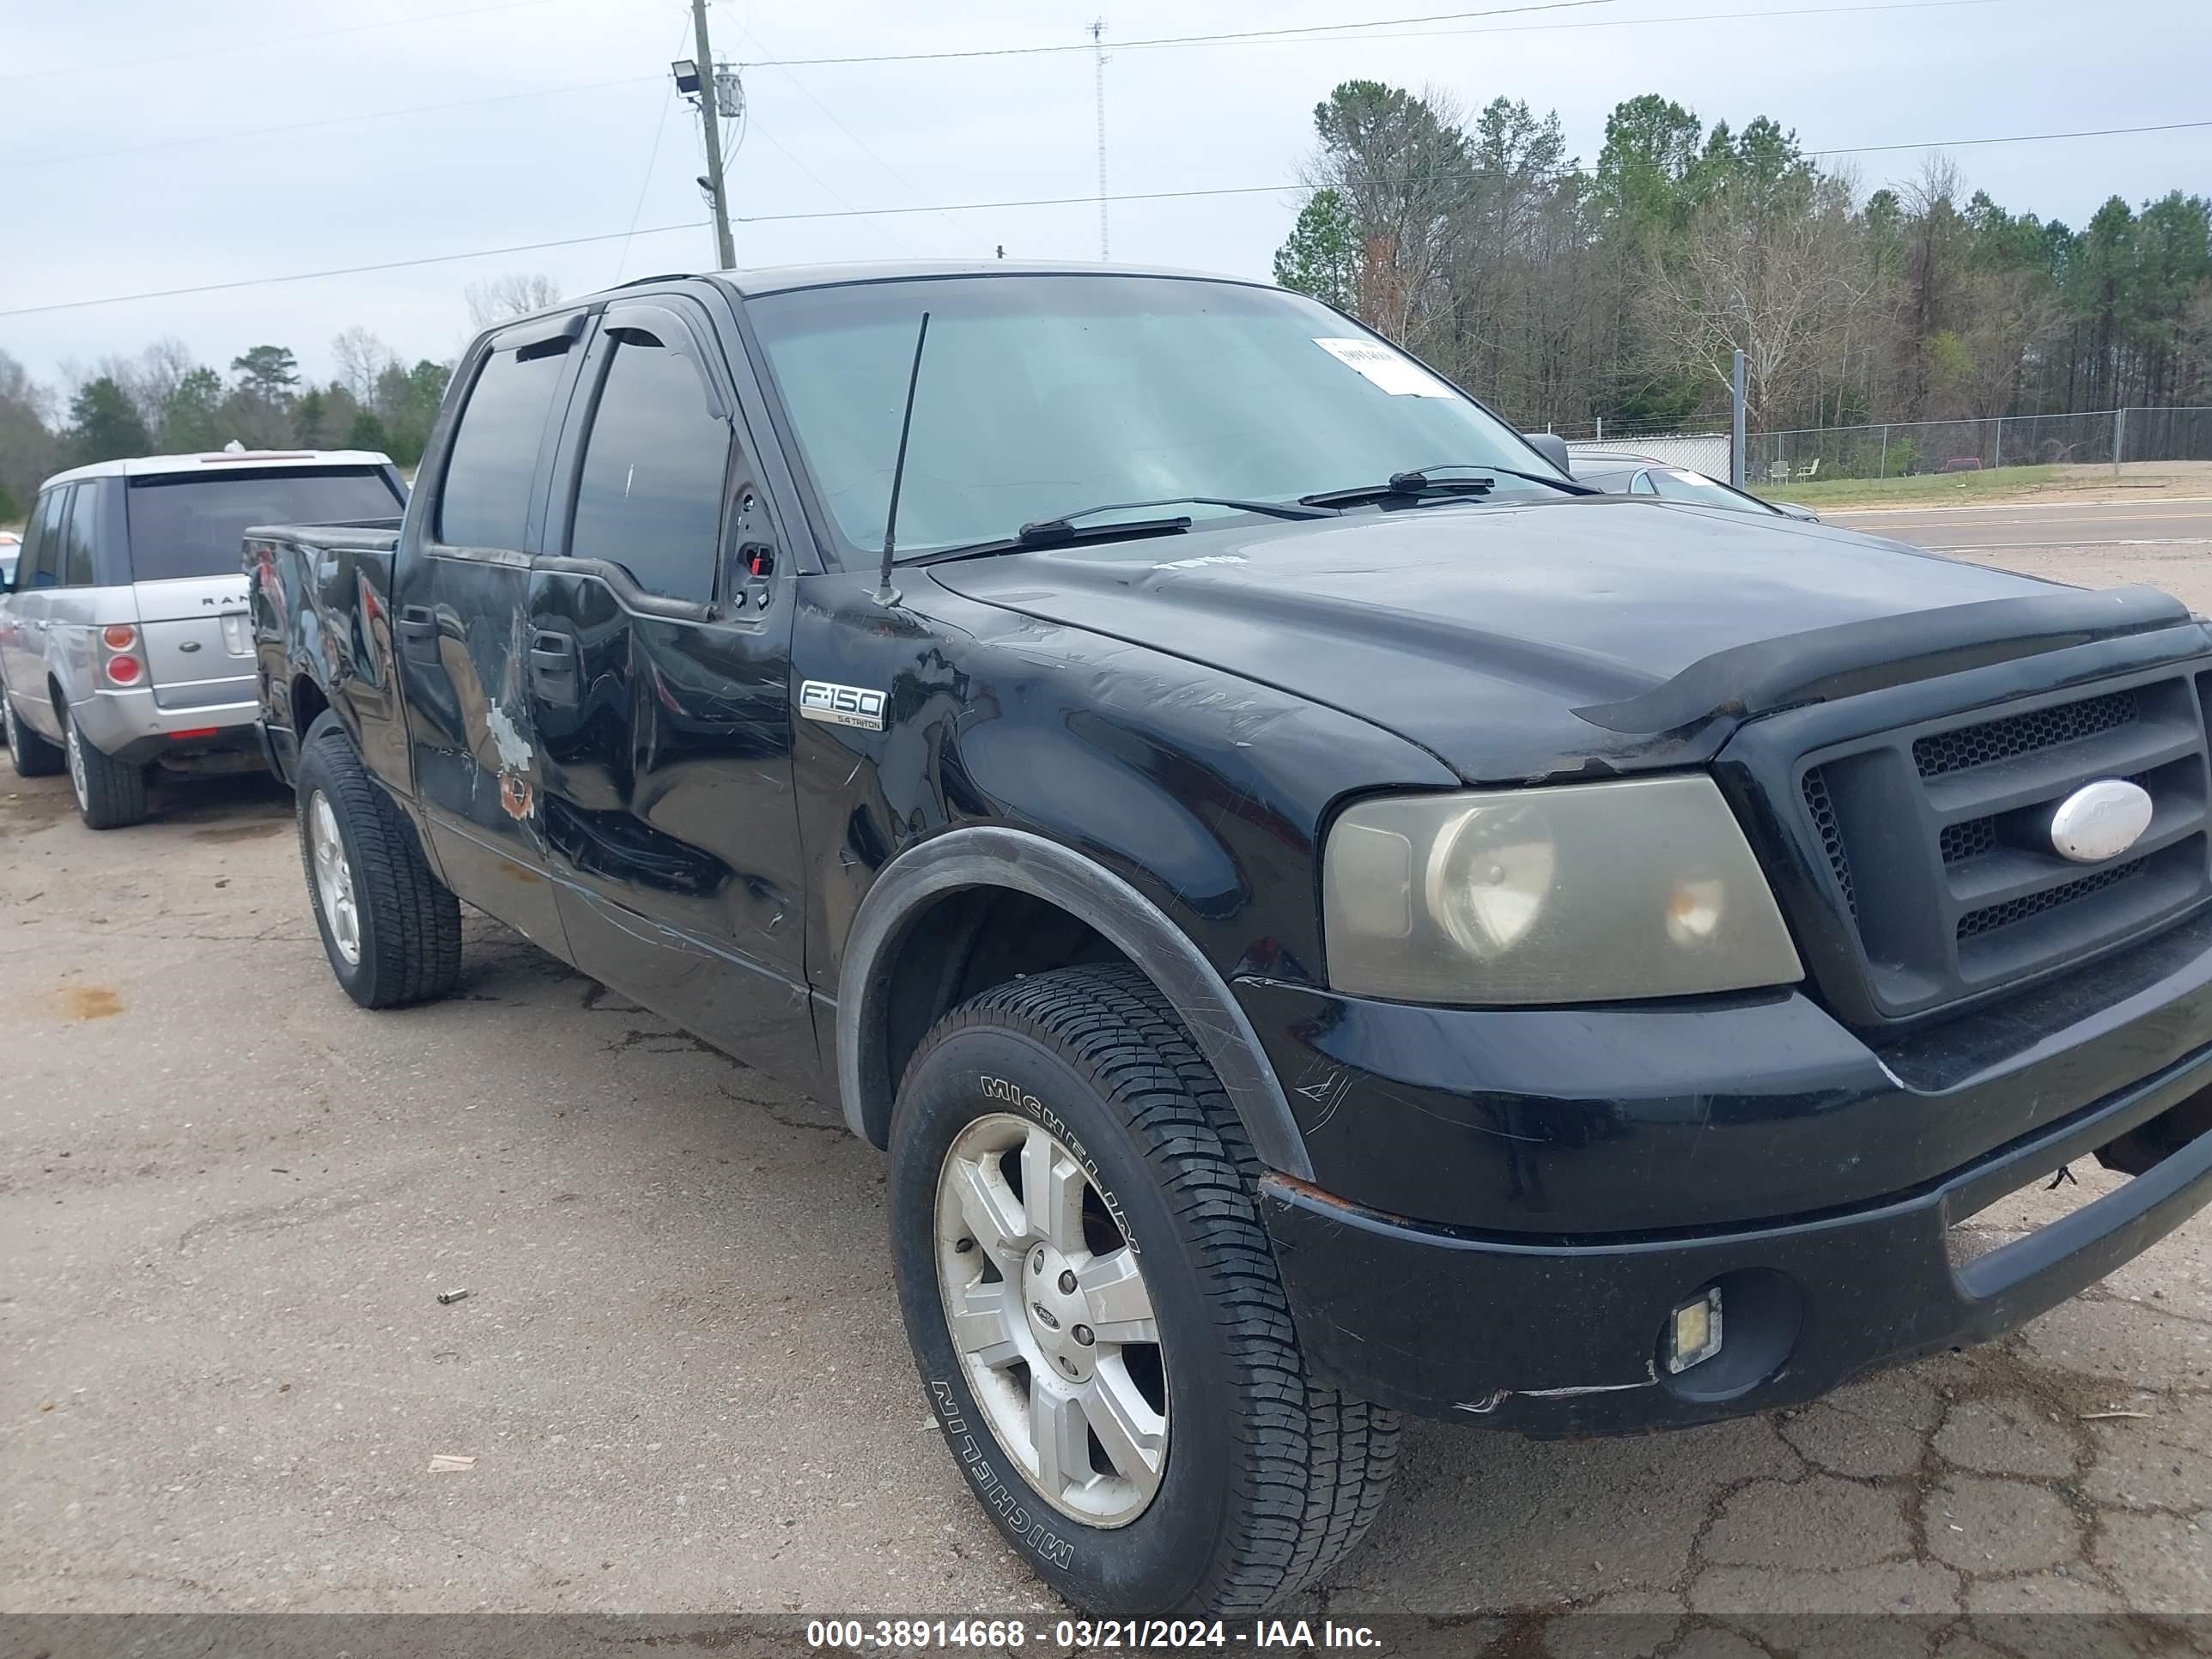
(2100, 821)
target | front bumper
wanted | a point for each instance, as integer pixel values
(1741, 1145)
(1564, 1339)
(131, 726)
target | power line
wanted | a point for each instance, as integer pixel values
(278, 40)
(645, 184)
(780, 64)
(1264, 189)
(352, 271)
(832, 115)
(2022, 138)
(325, 121)
(1190, 39)
(850, 212)
(965, 207)
(1368, 29)
(1636, 22)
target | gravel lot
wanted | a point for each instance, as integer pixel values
(231, 1198)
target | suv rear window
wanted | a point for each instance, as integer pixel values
(194, 524)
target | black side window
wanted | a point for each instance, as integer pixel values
(27, 559)
(42, 552)
(485, 502)
(76, 559)
(649, 497)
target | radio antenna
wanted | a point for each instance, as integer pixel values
(887, 595)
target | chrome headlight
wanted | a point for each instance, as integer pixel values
(1590, 892)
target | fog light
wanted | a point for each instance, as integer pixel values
(1693, 1332)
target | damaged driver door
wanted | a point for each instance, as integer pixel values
(658, 653)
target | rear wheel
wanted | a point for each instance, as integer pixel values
(111, 795)
(31, 756)
(1097, 1312)
(390, 929)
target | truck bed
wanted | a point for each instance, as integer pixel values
(320, 616)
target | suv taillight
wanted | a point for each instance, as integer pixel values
(120, 666)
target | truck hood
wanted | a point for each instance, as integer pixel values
(1479, 631)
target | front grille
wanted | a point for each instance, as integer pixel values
(2021, 734)
(1831, 834)
(1991, 917)
(1970, 839)
(1942, 877)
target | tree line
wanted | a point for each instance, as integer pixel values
(164, 401)
(1565, 295)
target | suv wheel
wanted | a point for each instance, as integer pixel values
(1096, 1313)
(111, 795)
(391, 930)
(31, 756)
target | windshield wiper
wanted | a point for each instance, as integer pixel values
(1041, 531)
(1058, 532)
(1421, 481)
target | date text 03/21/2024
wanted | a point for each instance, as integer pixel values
(1085, 1635)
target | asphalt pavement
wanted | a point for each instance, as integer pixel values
(230, 1200)
(2161, 523)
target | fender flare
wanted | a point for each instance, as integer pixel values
(1016, 860)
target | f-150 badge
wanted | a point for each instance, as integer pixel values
(842, 705)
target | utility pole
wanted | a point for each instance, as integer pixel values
(1735, 423)
(1098, 77)
(726, 252)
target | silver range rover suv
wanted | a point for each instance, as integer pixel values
(123, 635)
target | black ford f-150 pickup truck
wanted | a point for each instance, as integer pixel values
(1328, 916)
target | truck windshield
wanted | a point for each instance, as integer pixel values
(194, 524)
(1041, 394)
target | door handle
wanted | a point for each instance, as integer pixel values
(553, 667)
(418, 633)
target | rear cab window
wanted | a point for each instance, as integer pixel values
(194, 524)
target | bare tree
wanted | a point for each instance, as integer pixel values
(361, 357)
(496, 299)
(1769, 283)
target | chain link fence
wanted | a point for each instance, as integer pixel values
(1700, 448)
(1902, 448)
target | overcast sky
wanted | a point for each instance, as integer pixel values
(586, 135)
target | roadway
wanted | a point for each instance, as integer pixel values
(2030, 525)
(2166, 544)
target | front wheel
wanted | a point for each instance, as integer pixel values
(111, 795)
(1097, 1312)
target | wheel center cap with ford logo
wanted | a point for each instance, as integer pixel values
(2100, 821)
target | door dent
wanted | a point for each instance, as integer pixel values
(517, 795)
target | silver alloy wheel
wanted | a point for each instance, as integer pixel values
(333, 877)
(1048, 1311)
(75, 747)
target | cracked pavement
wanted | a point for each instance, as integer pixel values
(230, 1199)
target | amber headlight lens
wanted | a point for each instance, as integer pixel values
(1586, 893)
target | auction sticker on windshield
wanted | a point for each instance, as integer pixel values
(1396, 373)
